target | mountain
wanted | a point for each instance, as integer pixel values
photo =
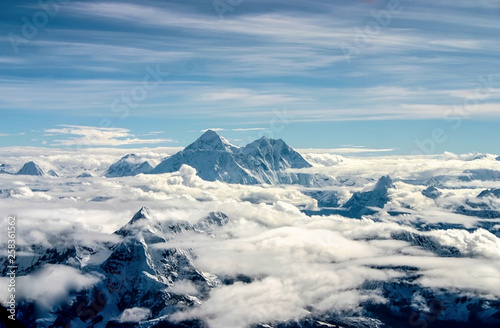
(212, 141)
(426, 242)
(4, 169)
(489, 193)
(359, 204)
(482, 209)
(144, 270)
(128, 165)
(140, 271)
(480, 174)
(85, 175)
(431, 192)
(262, 161)
(30, 168)
(53, 173)
(325, 198)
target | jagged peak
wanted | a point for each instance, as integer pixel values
(266, 143)
(143, 213)
(212, 221)
(385, 182)
(211, 140)
(129, 156)
(142, 219)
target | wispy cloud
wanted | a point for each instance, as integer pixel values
(234, 130)
(344, 150)
(95, 136)
(153, 133)
(12, 134)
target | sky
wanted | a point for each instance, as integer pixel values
(352, 76)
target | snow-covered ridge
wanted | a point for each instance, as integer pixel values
(128, 165)
(262, 161)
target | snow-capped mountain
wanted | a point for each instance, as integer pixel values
(325, 198)
(361, 202)
(480, 174)
(85, 175)
(262, 161)
(141, 270)
(431, 192)
(30, 168)
(53, 173)
(490, 193)
(128, 165)
(4, 169)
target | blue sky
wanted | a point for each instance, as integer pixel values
(395, 76)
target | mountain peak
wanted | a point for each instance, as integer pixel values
(143, 213)
(128, 165)
(211, 140)
(129, 156)
(143, 216)
(261, 161)
(385, 182)
(30, 168)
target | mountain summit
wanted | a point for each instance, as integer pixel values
(30, 168)
(262, 161)
(128, 165)
(211, 140)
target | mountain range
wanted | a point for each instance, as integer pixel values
(262, 161)
(140, 271)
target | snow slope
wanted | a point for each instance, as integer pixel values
(262, 161)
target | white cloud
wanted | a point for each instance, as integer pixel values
(248, 129)
(12, 134)
(94, 136)
(213, 129)
(134, 315)
(296, 264)
(50, 285)
(352, 150)
(183, 287)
